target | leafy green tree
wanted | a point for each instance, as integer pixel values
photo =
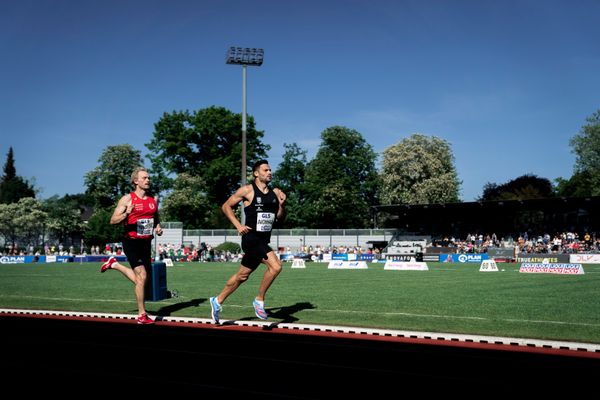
(99, 231)
(13, 187)
(64, 217)
(525, 187)
(23, 222)
(289, 177)
(419, 170)
(578, 185)
(586, 147)
(341, 181)
(112, 178)
(207, 144)
(187, 202)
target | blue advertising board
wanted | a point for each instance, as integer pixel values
(464, 258)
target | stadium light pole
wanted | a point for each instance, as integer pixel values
(244, 56)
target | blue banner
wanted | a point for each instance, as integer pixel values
(16, 259)
(55, 259)
(463, 258)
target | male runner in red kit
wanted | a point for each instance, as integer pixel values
(138, 212)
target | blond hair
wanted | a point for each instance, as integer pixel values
(134, 174)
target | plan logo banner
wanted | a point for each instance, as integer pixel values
(463, 258)
(12, 260)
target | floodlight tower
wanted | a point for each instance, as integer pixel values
(244, 56)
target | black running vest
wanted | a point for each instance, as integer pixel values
(261, 213)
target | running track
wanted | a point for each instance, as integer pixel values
(70, 353)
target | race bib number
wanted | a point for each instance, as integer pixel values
(264, 222)
(145, 226)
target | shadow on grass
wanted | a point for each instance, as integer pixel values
(171, 308)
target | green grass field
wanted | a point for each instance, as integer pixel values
(448, 298)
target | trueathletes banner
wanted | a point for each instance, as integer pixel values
(542, 258)
(564, 269)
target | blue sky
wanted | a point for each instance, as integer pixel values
(506, 83)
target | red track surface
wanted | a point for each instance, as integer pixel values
(202, 357)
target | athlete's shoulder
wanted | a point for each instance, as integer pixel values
(247, 188)
(126, 198)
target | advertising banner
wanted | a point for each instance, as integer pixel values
(406, 265)
(564, 269)
(463, 258)
(584, 258)
(542, 258)
(16, 259)
(347, 265)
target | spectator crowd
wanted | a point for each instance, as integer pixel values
(559, 243)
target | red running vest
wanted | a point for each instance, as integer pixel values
(140, 223)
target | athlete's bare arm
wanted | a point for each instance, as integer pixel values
(245, 194)
(281, 197)
(123, 209)
(157, 228)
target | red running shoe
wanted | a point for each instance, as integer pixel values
(108, 264)
(144, 319)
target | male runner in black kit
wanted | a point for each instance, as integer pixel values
(262, 206)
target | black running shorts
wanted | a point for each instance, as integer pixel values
(138, 252)
(255, 250)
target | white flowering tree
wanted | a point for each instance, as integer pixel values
(22, 223)
(419, 170)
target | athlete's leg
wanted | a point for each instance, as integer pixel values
(140, 283)
(128, 272)
(273, 264)
(234, 282)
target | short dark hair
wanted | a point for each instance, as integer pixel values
(257, 165)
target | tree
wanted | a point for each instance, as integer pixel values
(289, 177)
(206, 144)
(341, 181)
(586, 147)
(579, 185)
(23, 222)
(112, 178)
(525, 187)
(419, 170)
(8, 225)
(99, 231)
(13, 187)
(64, 217)
(187, 202)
